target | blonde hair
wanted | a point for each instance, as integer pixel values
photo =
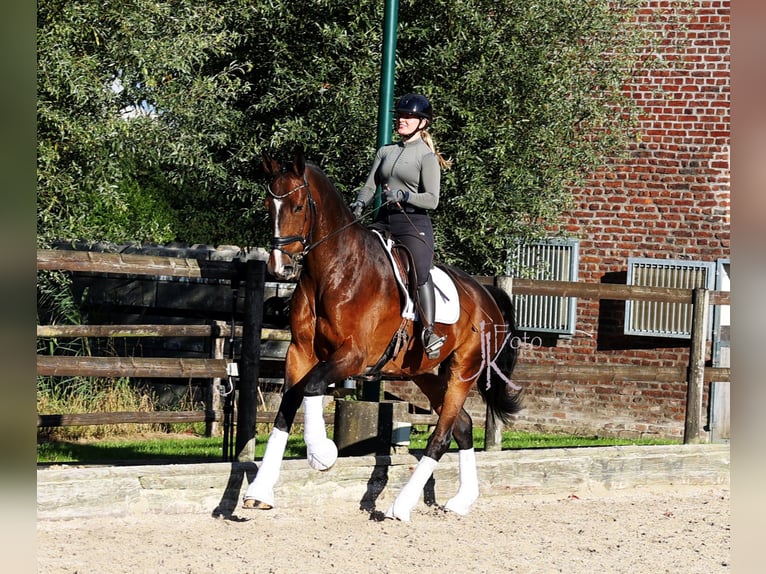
(445, 163)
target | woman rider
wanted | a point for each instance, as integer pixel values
(409, 173)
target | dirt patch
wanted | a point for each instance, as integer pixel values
(674, 529)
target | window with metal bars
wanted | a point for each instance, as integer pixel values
(660, 319)
(552, 260)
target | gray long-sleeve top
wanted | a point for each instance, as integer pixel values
(409, 166)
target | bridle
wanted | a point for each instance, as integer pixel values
(278, 243)
(306, 240)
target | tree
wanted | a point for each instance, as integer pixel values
(131, 117)
(528, 98)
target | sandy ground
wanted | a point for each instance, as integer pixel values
(676, 530)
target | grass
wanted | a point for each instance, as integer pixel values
(185, 443)
(192, 448)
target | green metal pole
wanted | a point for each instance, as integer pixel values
(387, 65)
(371, 390)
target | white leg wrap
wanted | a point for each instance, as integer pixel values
(468, 491)
(321, 452)
(412, 491)
(262, 487)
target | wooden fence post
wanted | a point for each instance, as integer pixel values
(212, 394)
(696, 374)
(255, 279)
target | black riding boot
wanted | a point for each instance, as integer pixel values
(431, 341)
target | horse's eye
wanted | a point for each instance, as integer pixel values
(298, 208)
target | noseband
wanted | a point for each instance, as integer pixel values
(278, 243)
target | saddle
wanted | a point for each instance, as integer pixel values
(447, 302)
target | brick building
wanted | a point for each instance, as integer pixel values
(669, 200)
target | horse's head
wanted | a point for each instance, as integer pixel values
(293, 213)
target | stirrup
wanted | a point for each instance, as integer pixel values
(434, 344)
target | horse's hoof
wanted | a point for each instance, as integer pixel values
(457, 507)
(252, 504)
(322, 456)
(397, 514)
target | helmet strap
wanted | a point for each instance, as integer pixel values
(418, 129)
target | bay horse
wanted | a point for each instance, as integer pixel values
(346, 310)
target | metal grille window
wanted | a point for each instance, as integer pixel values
(658, 319)
(553, 260)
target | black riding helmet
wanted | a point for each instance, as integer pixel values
(415, 104)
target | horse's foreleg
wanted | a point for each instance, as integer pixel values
(321, 451)
(260, 493)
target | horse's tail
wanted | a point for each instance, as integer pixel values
(503, 398)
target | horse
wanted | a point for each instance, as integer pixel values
(345, 313)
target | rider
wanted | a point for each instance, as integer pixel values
(409, 173)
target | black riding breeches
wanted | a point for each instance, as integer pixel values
(414, 231)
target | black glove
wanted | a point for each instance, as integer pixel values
(396, 195)
(356, 208)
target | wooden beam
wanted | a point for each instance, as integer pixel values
(158, 367)
(249, 363)
(134, 264)
(125, 263)
(202, 368)
(154, 417)
(64, 331)
(613, 291)
(602, 372)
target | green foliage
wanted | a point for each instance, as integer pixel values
(152, 115)
(526, 102)
(131, 115)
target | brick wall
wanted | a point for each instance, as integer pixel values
(668, 199)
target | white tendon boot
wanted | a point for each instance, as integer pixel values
(412, 491)
(262, 487)
(321, 451)
(468, 491)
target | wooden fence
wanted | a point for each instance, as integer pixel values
(247, 368)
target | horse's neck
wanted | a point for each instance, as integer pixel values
(340, 245)
(339, 240)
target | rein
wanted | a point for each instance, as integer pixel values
(277, 243)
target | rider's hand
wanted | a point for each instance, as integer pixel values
(356, 208)
(395, 195)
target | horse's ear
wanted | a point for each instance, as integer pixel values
(270, 165)
(299, 163)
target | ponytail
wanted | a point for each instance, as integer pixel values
(443, 163)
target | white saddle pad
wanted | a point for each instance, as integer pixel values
(447, 301)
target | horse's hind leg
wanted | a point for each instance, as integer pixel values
(449, 404)
(468, 490)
